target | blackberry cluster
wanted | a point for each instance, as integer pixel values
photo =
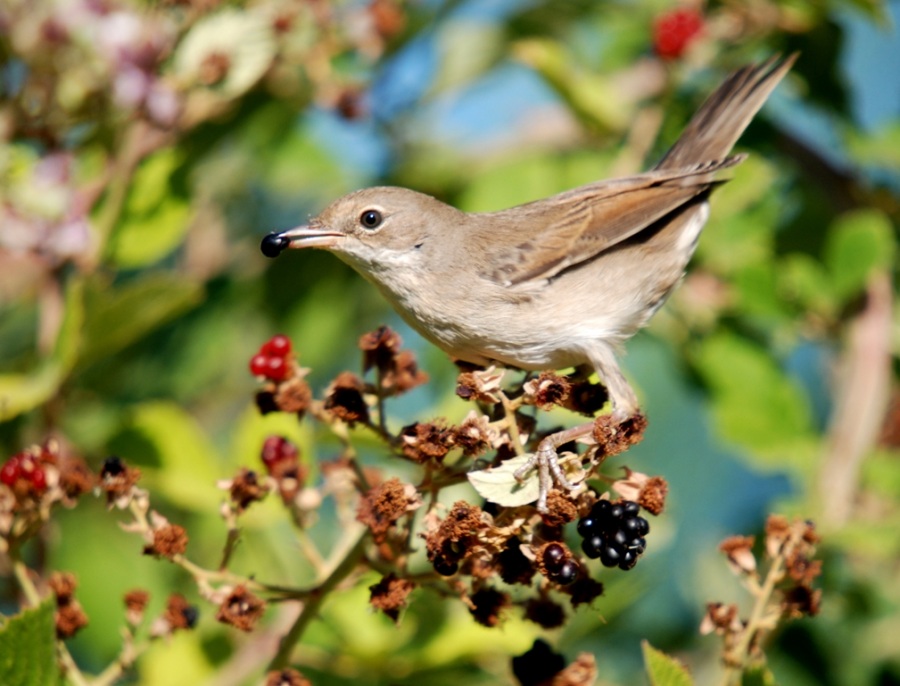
(614, 532)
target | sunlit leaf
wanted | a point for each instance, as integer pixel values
(858, 243)
(467, 49)
(523, 178)
(755, 404)
(154, 219)
(664, 670)
(881, 147)
(803, 281)
(499, 485)
(758, 676)
(23, 392)
(117, 317)
(589, 95)
(243, 38)
(189, 465)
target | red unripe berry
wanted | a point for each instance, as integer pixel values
(276, 449)
(674, 31)
(276, 368)
(259, 365)
(279, 346)
(38, 478)
(10, 471)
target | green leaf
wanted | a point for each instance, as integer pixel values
(664, 670)
(522, 178)
(744, 215)
(757, 288)
(20, 393)
(878, 148)
(467, 50)
(28, 648)
(802, 280)
(595, 99)
(755, 403)
(154, 219)
(758, 676)
(188, 464)
(120, 316)
(498, 484)
(858, 243)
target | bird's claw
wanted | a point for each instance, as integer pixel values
(546, 460)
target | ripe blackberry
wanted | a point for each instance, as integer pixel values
(554, 557)
(567, 573)
(614, 533)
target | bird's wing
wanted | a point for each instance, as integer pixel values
(547, 236)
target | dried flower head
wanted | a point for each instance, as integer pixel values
(398, 370)
(614, 437)
(475, 435)
(455, 537)
(487, 606)
(583, 591)
(135, 604)
(514, 567)
(379, 348)
(390, 595)
(545, 613)
(245, 488)
(721, 619)
(75, 479)
(586, 398)
(424, 442)
(165, 539)
(647, 491)
(118, 481)
(560, 509)
(286, 677)
(344, 399)
(63, 585)
(538, 665)
(547, 391)
(241, 609)
(739, 550)
(801, 601)
(404, 375)
(293, 395)
(179, 614)
(383, 505)
(69, 617)
(480, 385)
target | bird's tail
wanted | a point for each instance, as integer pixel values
(721, 120)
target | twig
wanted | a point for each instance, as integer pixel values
(344, 567)
(862, 400)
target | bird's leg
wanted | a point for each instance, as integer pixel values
(547, 462)
(545, 458)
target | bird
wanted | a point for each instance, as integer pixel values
(555, 283)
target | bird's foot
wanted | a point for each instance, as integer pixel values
(546, 460)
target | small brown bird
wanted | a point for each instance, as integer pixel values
(558, 282)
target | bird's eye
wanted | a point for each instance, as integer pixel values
(370, 219)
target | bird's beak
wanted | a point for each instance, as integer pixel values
(300, 237)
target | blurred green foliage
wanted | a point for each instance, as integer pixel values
(145, 149)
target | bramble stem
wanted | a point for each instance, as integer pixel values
(736, 658)
(316, 597)
(509, 411)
